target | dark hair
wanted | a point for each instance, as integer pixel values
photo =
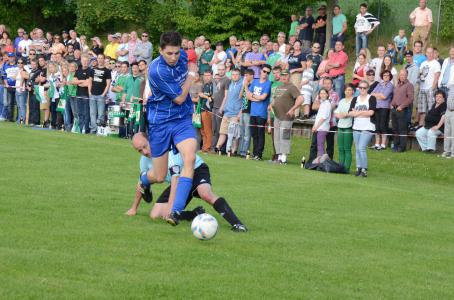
(349, 85)
(208, 40)
(277, 68)
(326, 91)
(144, 61)
(328, 78)
(134, 64)
(219, 44)
(363, 5)
(309, 59)
(34, 60)
(236, 70)
(125, 63)
(386, 72)
(102, 54)
(208, 71)
(267, 66)
(249, 72)
(418, 42)
(440, 92)
(370, 72)
(336, 6)
(171, 38)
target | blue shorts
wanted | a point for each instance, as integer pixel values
(164, 137)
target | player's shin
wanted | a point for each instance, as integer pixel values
(183, 189)
(224, 209)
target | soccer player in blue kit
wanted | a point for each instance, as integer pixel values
(169, 114)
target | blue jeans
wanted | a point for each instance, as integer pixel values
(2, 99)
(10, 100)
(97, 111)
(68, 116)
(339, 84)
(245, 133)
(336, 38)
(427, 138)
(21, 100)
(361, 42)
(362, 139)
(83, 109)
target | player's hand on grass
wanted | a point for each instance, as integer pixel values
(131, 212)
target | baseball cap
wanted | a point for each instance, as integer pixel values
(64, 31)
(11, 54)
(408, 52)
(116, 35)
(255, 42)
(322, 7)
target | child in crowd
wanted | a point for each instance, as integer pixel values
(293, 25)
(321, 125)
(307, 87)
(400, 44)
(391, 51)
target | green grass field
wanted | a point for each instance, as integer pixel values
(64, 235)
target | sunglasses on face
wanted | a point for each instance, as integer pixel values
(267, 72)
(144, 35)
(20, 62)
(363, 88)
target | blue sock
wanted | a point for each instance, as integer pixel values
(183, 189)
(144, 179)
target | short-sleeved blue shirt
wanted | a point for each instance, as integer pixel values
(260, 109)
(165, 83)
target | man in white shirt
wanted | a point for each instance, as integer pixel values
(24, 45)
(364, 25)
(429, 73)
(378, 61)
(446, 80)
(219, 57)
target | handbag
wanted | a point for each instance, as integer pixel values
(197, 117)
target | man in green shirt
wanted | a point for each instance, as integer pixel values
(274, 59)
(134, 86)
(339, 26)
(120, 84)
(275, 83)
(206, 57)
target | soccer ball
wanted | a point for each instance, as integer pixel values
(204, 227)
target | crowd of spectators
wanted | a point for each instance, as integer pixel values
(247, 88)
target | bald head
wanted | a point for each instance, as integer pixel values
(140, 143)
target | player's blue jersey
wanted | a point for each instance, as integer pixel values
(165, 83)
(146, 163)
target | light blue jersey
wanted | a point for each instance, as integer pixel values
(146, 163)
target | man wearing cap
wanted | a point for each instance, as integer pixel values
(9, 73)
(306, 32)
(112, 47)
(320, 27)
(255, 59)
(286, 99)
(64, 36)
(144, 49)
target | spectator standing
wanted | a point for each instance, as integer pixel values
(58, 47)
(255, 59)
(219, 95)
(33, 107)
(144, 49)
(306, 32)
(316, 58)
(448, 146)
(188, 47)
(99, 84)
(293, 25)
(134, 86)
(307, 89)
(433, 124)
(219, 57)
(364, 26)
(296, 64)
(336, 67)
(387, 65)
(274, 59)
(281, 42)
(231, 108)
(339, 26)
(418, 55)
(320, 28)
(206, 57)
(446, 79)
(245, 129)
(421, 19)
(82, 79)
(259, 95)
(233, 49)
(206, 105)
(429, 73)
(377, 62)
(362, 110)
(123, 50)
(18, 39)
(345, 131)
(112, 47)
(23, 47)
(321, 124)
(9, 74)
(21, 92)
(360, 70)
(97, 47)
(383, 93)
(72, 93)
(286, 99)
(64, 37)
(74, 40)
(119, 84)
(403, 95)
(83, 44)
(132, 45)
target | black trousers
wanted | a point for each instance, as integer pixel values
(321, 39)
(399, 120)
(33, 110)
(329, 145)
(258, 135)
(11, 103)
(56, 116)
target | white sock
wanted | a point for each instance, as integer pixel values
(377, 145)
(283, 158)
(383, 146)
(279, 157)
